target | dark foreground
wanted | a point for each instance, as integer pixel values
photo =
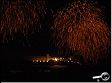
(52, 71)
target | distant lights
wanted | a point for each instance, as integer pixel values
(70, 58)
(39, 61)
(56, 60)
(71, 61)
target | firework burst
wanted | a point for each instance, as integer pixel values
(20, 17)
(81, 28)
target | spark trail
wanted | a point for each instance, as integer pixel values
(81, 27)
(20, 17)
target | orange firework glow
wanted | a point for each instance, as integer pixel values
(19, 17)
(82, 29)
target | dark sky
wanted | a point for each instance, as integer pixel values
(42, 41)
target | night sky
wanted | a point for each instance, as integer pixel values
(41, 42)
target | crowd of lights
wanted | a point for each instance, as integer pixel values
(55, 60)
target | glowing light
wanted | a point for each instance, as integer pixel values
(40, 61)
(68, 61)
(77, 62)
(36, 60)
(56, 59)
